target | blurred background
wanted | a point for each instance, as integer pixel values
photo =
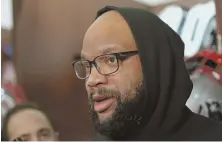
(40, 39)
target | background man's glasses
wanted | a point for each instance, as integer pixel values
(18, 139)
(105, 64)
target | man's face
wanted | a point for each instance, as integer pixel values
(30, 125)
(110, 94)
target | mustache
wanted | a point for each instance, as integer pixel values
(106, 92)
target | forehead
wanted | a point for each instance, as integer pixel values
(109, 33)
(26, 122)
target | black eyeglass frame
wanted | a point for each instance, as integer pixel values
(120, 56)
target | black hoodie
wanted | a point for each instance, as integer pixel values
(166, 82)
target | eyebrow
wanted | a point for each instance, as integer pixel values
(22, 135)
(44, 129)
(109, 49)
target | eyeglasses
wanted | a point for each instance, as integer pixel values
(105, 64)
(18, 139)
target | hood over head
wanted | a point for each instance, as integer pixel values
(167, 85)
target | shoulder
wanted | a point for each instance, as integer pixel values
(99, 137)
(206, 122)
(202, 128)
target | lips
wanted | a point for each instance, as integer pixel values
(101, 102)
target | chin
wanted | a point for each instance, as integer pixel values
(105, 116)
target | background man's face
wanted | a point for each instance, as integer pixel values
(30, 125)
(111, 34)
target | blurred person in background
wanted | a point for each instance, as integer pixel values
(11, 91)
(136, 80)
(8, 71)
(28, 122)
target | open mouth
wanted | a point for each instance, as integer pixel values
(100, 100)
(102, 103)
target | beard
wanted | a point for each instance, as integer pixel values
(126, 116)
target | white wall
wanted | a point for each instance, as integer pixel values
(154, 2)
(6, 14)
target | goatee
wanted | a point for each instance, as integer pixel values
(126, 115)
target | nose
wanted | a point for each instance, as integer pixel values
(95, 78)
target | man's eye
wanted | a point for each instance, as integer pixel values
(44, 135)
(84, 65)
(19, 139)
(111, 60)
(25, 138)
(87, 66)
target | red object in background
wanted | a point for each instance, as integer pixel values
(210, 54)
(207, 62)
(11, 94)
(205, 69)
(15, 91)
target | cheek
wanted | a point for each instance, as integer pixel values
(88, 89)
(126, 84)
(86, 86)
(129, 77)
